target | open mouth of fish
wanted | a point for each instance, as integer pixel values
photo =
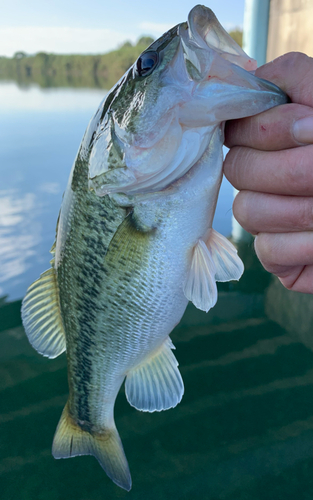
(166, 128)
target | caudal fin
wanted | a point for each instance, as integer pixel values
(70, 441)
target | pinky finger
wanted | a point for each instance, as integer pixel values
(289, 256)
(299, 280)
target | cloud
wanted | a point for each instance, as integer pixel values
(50, 187)
(18, 233)
(11, 211)
(66, 40)
(60, 40)
(160, 28)
(155, 28)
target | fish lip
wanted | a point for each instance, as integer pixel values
(207, 38)
(200, 13)
(248, 80)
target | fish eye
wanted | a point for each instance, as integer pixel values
(146, 63)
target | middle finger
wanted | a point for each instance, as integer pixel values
(288, 172)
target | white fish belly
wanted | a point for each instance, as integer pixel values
(154, 302)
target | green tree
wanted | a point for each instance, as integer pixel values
(19, 55)
(145, 40)
(236, 34)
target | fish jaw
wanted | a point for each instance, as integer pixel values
(229, 93)
(225, 86)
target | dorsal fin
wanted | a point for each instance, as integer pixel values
(41, 316)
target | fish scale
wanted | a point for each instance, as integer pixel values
(134, 239)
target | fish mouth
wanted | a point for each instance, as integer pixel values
(204, 31)
(205, 79)
(225, 86)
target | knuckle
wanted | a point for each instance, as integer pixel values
(289, 285)
(301, 80)
(296, 177)
(306, 217)
(297, 83)
(267, 252)
(296, 59)
(231, 165)
(242, 210)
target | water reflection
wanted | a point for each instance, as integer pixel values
(40, 133)
(34, 98)
(19, 235)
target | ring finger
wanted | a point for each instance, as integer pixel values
(269, 213)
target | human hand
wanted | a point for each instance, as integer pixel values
(271, 163)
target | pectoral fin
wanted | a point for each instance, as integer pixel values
(42, 318)
(215, 260)
(227, 263)
(156, 384)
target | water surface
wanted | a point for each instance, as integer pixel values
(244, 429)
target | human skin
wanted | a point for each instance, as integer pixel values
(270, 162)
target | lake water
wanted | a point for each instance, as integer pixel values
(244, 429)
(40, 132)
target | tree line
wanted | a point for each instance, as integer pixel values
(76, 70)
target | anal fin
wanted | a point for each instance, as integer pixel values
(156, 384)
(41, 316)
(213, 260)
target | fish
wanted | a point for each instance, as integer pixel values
(134, 240)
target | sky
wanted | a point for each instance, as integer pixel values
(96, 26)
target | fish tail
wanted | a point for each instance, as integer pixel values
(70, 441)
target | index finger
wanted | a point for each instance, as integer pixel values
(271, 130)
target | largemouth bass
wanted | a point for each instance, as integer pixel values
(134, 239)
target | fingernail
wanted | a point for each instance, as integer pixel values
(303, 130)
